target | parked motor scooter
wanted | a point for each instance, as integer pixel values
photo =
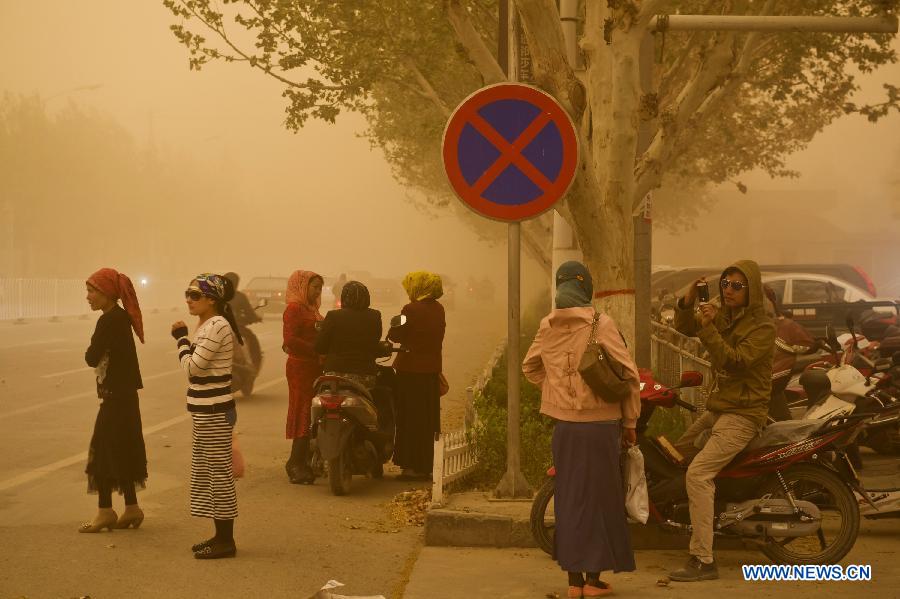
(352, 431)
(247, 361)
(844, 389)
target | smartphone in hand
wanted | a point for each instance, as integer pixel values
(703, 292)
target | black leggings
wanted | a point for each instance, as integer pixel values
(104, 489)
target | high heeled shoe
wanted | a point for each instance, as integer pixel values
(132, 516)
(105, 518)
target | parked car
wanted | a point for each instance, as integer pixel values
(816, 300)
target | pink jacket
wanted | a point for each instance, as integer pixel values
(552, 361)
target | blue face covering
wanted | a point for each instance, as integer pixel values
(574, 287)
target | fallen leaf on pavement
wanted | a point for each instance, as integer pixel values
(409, 507)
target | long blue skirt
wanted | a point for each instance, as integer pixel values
(591, 528)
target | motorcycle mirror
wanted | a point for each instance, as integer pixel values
(849, 323)
(398, 321)
(832, 337)
(262, 303)
(691, 378)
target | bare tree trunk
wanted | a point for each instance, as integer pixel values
(611, 257)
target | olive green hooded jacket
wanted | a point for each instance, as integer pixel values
(741, 346)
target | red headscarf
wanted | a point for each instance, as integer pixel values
(298, 288)
(117, 286)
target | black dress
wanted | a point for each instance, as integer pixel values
(116, 458)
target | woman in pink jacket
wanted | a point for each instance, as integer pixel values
(591, 531)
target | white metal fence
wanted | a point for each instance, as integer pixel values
(454, 454)
(22, 299)
(672, 353)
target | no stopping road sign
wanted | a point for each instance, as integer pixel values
(510, 151)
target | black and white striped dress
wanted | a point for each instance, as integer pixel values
(208, 365)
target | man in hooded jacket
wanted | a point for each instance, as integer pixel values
(740, 340)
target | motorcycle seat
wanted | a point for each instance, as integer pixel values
(344, 383)
(784, 432)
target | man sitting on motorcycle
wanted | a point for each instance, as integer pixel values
(243, 311)
(740, 340)
(349, 338)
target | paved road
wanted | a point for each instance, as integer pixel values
(291, 539)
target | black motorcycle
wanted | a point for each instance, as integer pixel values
(247, 361)
(352, 424)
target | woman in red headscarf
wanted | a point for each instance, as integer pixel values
(117, 460)
(303, 298)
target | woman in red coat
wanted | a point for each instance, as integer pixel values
(303, 297)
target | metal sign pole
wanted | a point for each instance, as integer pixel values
(513, 484)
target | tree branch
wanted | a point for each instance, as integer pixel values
(472, 41)
(427, 91)
(552, 71)
(254, 61)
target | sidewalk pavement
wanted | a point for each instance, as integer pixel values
(478, 548)
(477, 573)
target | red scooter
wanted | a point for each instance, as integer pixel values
(791, 490)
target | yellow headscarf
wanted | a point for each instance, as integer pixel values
(422, 285)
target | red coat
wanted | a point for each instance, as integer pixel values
(302, 368)
(422, 335)
(300, 332)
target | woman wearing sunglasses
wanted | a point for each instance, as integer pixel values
(207, 362)
(117, 460)
(740, 339)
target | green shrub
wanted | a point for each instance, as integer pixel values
(489, 434)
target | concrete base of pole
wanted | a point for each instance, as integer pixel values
(513, 486)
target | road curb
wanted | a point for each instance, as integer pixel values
(472, 520)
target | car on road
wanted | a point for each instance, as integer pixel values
(269, 288)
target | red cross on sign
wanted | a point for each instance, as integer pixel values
(510, 151)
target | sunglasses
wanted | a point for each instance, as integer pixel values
(736, 285)
(193, 294)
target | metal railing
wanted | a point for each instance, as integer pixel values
(454, 454)
(672, 353)
(23, 299)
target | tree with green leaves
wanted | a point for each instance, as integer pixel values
(727, 102)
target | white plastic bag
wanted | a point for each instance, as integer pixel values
(325, 592)
(637, 504)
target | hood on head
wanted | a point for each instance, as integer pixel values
(751, 270)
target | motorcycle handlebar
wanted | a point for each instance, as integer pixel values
(687, 406)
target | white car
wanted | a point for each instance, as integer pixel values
(807, 288)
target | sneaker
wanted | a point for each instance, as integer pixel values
(695, 570)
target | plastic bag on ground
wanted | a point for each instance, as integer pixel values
(325, 592)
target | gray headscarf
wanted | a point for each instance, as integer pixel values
(574, 287)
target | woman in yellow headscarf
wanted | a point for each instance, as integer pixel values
(418, 408)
